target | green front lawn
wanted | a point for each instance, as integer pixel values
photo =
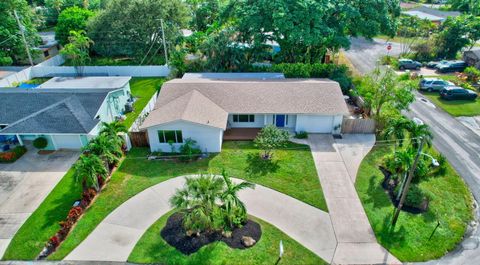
(151, 248)
(43, 223)
(455, 108)
(292, 172)
(142, 88)
(450, 204)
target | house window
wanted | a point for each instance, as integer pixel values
(45, 53)
(170, 136)
(243, 118)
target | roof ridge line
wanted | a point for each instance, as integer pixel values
(37, 113)
(81, 108)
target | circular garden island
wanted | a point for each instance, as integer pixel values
(210, 225)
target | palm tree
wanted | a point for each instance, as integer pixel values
(113, 128)
(108, 149)
(88, 170)
(396, 129)
(418, 132)
(197, 200)
(235, 210)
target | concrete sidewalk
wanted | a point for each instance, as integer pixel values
(115, 237)
(337, 163)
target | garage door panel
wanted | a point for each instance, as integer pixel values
(315, 123)
(67, 141)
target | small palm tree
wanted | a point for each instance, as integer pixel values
(88, 169)
(113, 128)
(198, 202)
(396, 129)
(107, 148)
(418, 132)
(235, 211)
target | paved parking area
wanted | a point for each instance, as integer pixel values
(25, 184)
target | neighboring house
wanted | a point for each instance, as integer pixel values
(49, 47)
(472, 58)
(434, 15)
(66, 111)
(206, 110)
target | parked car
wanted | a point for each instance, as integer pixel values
(454, 66)
(434, 84)
(455, 92)
(404, 64)
(434, 64)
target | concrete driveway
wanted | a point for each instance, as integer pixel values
(25, 184)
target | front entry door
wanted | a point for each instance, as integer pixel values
(280, 120)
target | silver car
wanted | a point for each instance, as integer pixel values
(434, 84)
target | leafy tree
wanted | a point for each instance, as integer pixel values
(71, 19)
(88, 170)
(270, 138)
(306, 29)
(382, 88)
(198, 202)
(234, 209)
(12, 48)
(205, 13)
(455, 34)
(467, 6)
(55, 7)
(77, 50)
(113, 128)
(119, 30)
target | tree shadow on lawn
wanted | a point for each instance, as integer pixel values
(257, 166)
(376, 194)
(392, 237)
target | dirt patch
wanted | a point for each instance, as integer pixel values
(175, 235)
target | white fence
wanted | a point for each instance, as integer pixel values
(51, 68)
(138, 71)
(143, 115)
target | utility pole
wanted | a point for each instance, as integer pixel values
(407, 183)
(22, 31)
(164, 43)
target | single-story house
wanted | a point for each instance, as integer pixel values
(206, 110)
(472, 58)
(434, 15)
(66, 111)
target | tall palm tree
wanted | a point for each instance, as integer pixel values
(233, 206)
(197, 200)
(113, 128)
(396, 129)
(107, 148)
(88, 169)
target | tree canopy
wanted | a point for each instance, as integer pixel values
(456, 34)
(306, 29)
(133, 27)
(12, 49)
(71, 19)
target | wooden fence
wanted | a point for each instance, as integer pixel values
(139, 139)
(361, 126)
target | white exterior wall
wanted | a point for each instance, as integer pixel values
(262, 120)
(317, 123)
(208, 138)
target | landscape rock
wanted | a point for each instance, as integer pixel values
(248, 241)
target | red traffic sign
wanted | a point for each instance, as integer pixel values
(389, 46)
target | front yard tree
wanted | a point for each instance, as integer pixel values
(456, 34)
(235, 211)
(382, 88)
(133, 27)
(77, 50)
(270, 138)
(71, 19)
(107, 148)
(306, 29)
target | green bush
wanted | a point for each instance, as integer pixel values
(415, 196)
(40, 143)
(301, 135)
(189, 150)
(473, 74)
(468, 86)
(12, 155)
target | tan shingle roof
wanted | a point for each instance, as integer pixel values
(286, 96)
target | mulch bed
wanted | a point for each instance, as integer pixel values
(45, 152)
(175, 235)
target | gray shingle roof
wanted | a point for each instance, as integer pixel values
(49, 112)
(287, 96)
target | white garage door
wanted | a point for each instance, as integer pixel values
(67, 141)
(314, 123)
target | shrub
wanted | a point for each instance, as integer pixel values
(468, 86)
(415, 196)
(12, 155)
(301, 135)
(473, 74)
(189, 150)
(40, 143)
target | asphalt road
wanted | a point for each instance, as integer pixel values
(456, 142)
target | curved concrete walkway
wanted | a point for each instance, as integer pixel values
(115, 237)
